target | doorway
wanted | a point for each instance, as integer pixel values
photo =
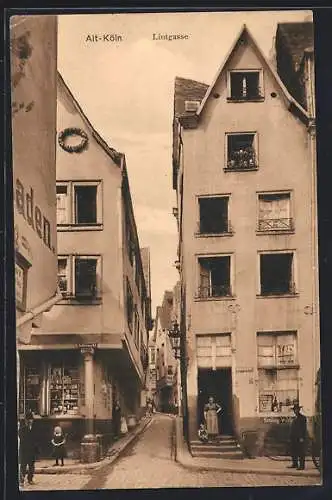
(216, 383)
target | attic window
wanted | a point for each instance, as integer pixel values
(245, 85)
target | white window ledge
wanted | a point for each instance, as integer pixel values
(80, 227)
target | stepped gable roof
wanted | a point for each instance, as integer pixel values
(115, 155)
(298, 37)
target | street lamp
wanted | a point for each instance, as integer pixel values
(175, 338)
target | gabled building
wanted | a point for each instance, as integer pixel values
(92, 348)
(33, 59)
(163, 365)
(244, 170)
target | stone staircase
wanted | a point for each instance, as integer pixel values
(222, 447)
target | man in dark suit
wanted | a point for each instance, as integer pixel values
(298, 435)
(27, 448)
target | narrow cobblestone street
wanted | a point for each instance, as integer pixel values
(149, 463)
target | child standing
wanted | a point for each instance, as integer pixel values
(58, 443)
(202, 433)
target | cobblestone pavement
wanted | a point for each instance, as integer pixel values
(149, 463)
(51, 482)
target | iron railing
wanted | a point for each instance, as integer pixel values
(223, 227)
(276, 224)
(205, 292)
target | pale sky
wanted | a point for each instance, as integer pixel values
(126, 90)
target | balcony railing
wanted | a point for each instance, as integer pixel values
(275, 224)
(205, 292)
(223, 227)
(242, 159)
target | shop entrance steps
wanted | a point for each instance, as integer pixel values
(222, 447)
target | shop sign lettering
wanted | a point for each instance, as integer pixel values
(87, 348)
(244, 370)
(271, 420)
(25, 205)
(277, 420)
(285, 354)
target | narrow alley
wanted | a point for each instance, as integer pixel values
(150, 463)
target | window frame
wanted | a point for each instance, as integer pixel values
(232, 296)
(255, 147)
(294, 281)
(71, 224)
(275, 369)
(286, 230)
(129, 293)
(261, 89)
(23, 265)
(71, 263)
(137, 328)
(229, 231)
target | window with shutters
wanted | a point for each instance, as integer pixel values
(62, 204)
(277, 276)
(214, 277)
(274, 212)
(213, 215)
(63, 275)
(245, 85)
(79, 277)
(213, 351)
(277, 371)
(79, 205)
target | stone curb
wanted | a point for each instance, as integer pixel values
(86, 468)
(183, 457)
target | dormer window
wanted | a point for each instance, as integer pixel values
(245, 85)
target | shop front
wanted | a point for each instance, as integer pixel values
(52, 386)
(77, 389)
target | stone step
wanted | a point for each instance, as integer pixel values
(219, 449)
(230, 442)
(214, 454)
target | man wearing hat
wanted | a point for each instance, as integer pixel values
(298, 435)
(27, 448)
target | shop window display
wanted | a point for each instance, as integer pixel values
(64, 390)
(30, 398)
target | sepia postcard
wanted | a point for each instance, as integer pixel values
(166, 250)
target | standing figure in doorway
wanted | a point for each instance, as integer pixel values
(116, 420)
(27, 449)
(211, 410)
(58, 443)
(298, 435)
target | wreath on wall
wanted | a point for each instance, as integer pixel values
(72, 132)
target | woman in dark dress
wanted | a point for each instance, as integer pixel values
(116, 419)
